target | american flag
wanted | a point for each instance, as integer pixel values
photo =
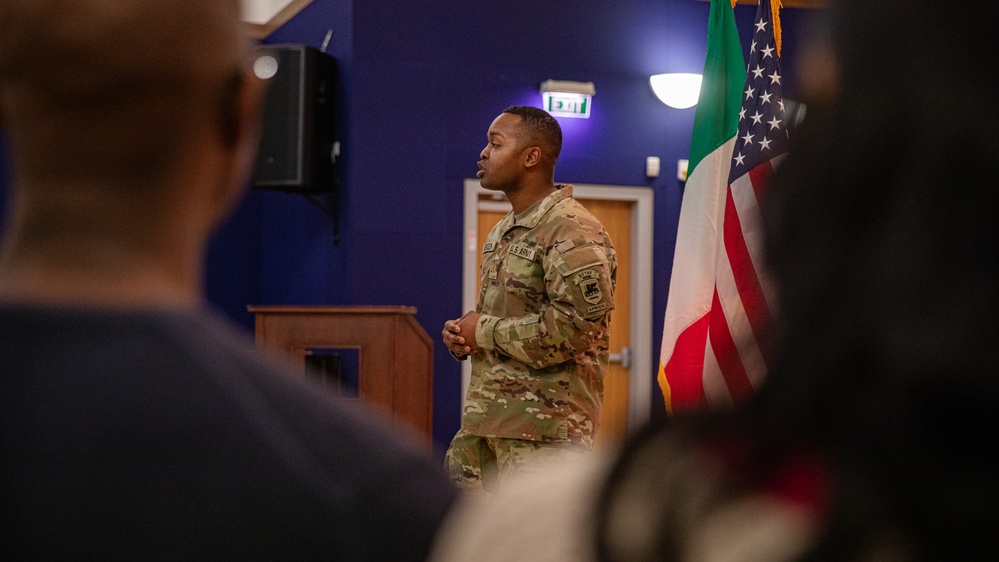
(740, 315)
(714, 342)
(762, 123)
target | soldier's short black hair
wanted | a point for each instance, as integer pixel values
(541, 126)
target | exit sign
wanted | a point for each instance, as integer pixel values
(561, 104)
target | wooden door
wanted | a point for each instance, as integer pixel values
(616, 218)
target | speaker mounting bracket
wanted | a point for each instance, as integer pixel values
(329, 204)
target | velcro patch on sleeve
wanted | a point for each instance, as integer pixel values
(582, 257)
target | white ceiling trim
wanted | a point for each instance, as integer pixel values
(262, 17)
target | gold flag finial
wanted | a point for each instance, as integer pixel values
(775, 6)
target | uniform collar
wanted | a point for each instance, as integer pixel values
(533, 214)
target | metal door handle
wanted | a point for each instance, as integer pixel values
(624, 358)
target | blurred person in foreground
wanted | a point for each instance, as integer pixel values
(133, 422)
(872, 437)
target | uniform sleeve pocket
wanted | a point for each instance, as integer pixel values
(587, 280)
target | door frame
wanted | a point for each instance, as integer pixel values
(640, 372)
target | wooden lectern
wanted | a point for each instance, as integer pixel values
(395, 354)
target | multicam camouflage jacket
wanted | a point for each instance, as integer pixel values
(545, 296)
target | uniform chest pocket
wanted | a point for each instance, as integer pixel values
(523, 274)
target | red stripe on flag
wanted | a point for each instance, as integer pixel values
(760, 177)
(685, 367)
(746, 280)
(726, 353)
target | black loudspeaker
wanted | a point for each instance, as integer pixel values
(296, 144)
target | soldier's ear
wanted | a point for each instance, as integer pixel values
(532, 157)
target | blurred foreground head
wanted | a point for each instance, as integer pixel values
(132, 126)
(881, 227)
(881, 236)
(111, 90)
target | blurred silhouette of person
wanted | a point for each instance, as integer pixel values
(871, 439)
(133, 422)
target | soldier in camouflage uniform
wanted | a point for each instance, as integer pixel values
(538, 335)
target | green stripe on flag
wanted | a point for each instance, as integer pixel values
(717, 116)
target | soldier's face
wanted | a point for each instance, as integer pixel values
(500, 162)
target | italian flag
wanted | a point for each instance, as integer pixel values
(702, 213)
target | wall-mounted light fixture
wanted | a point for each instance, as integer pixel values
(677, 89)
(563, 98)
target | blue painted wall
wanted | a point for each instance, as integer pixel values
(419, 84)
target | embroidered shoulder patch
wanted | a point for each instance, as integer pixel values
(589, 283)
